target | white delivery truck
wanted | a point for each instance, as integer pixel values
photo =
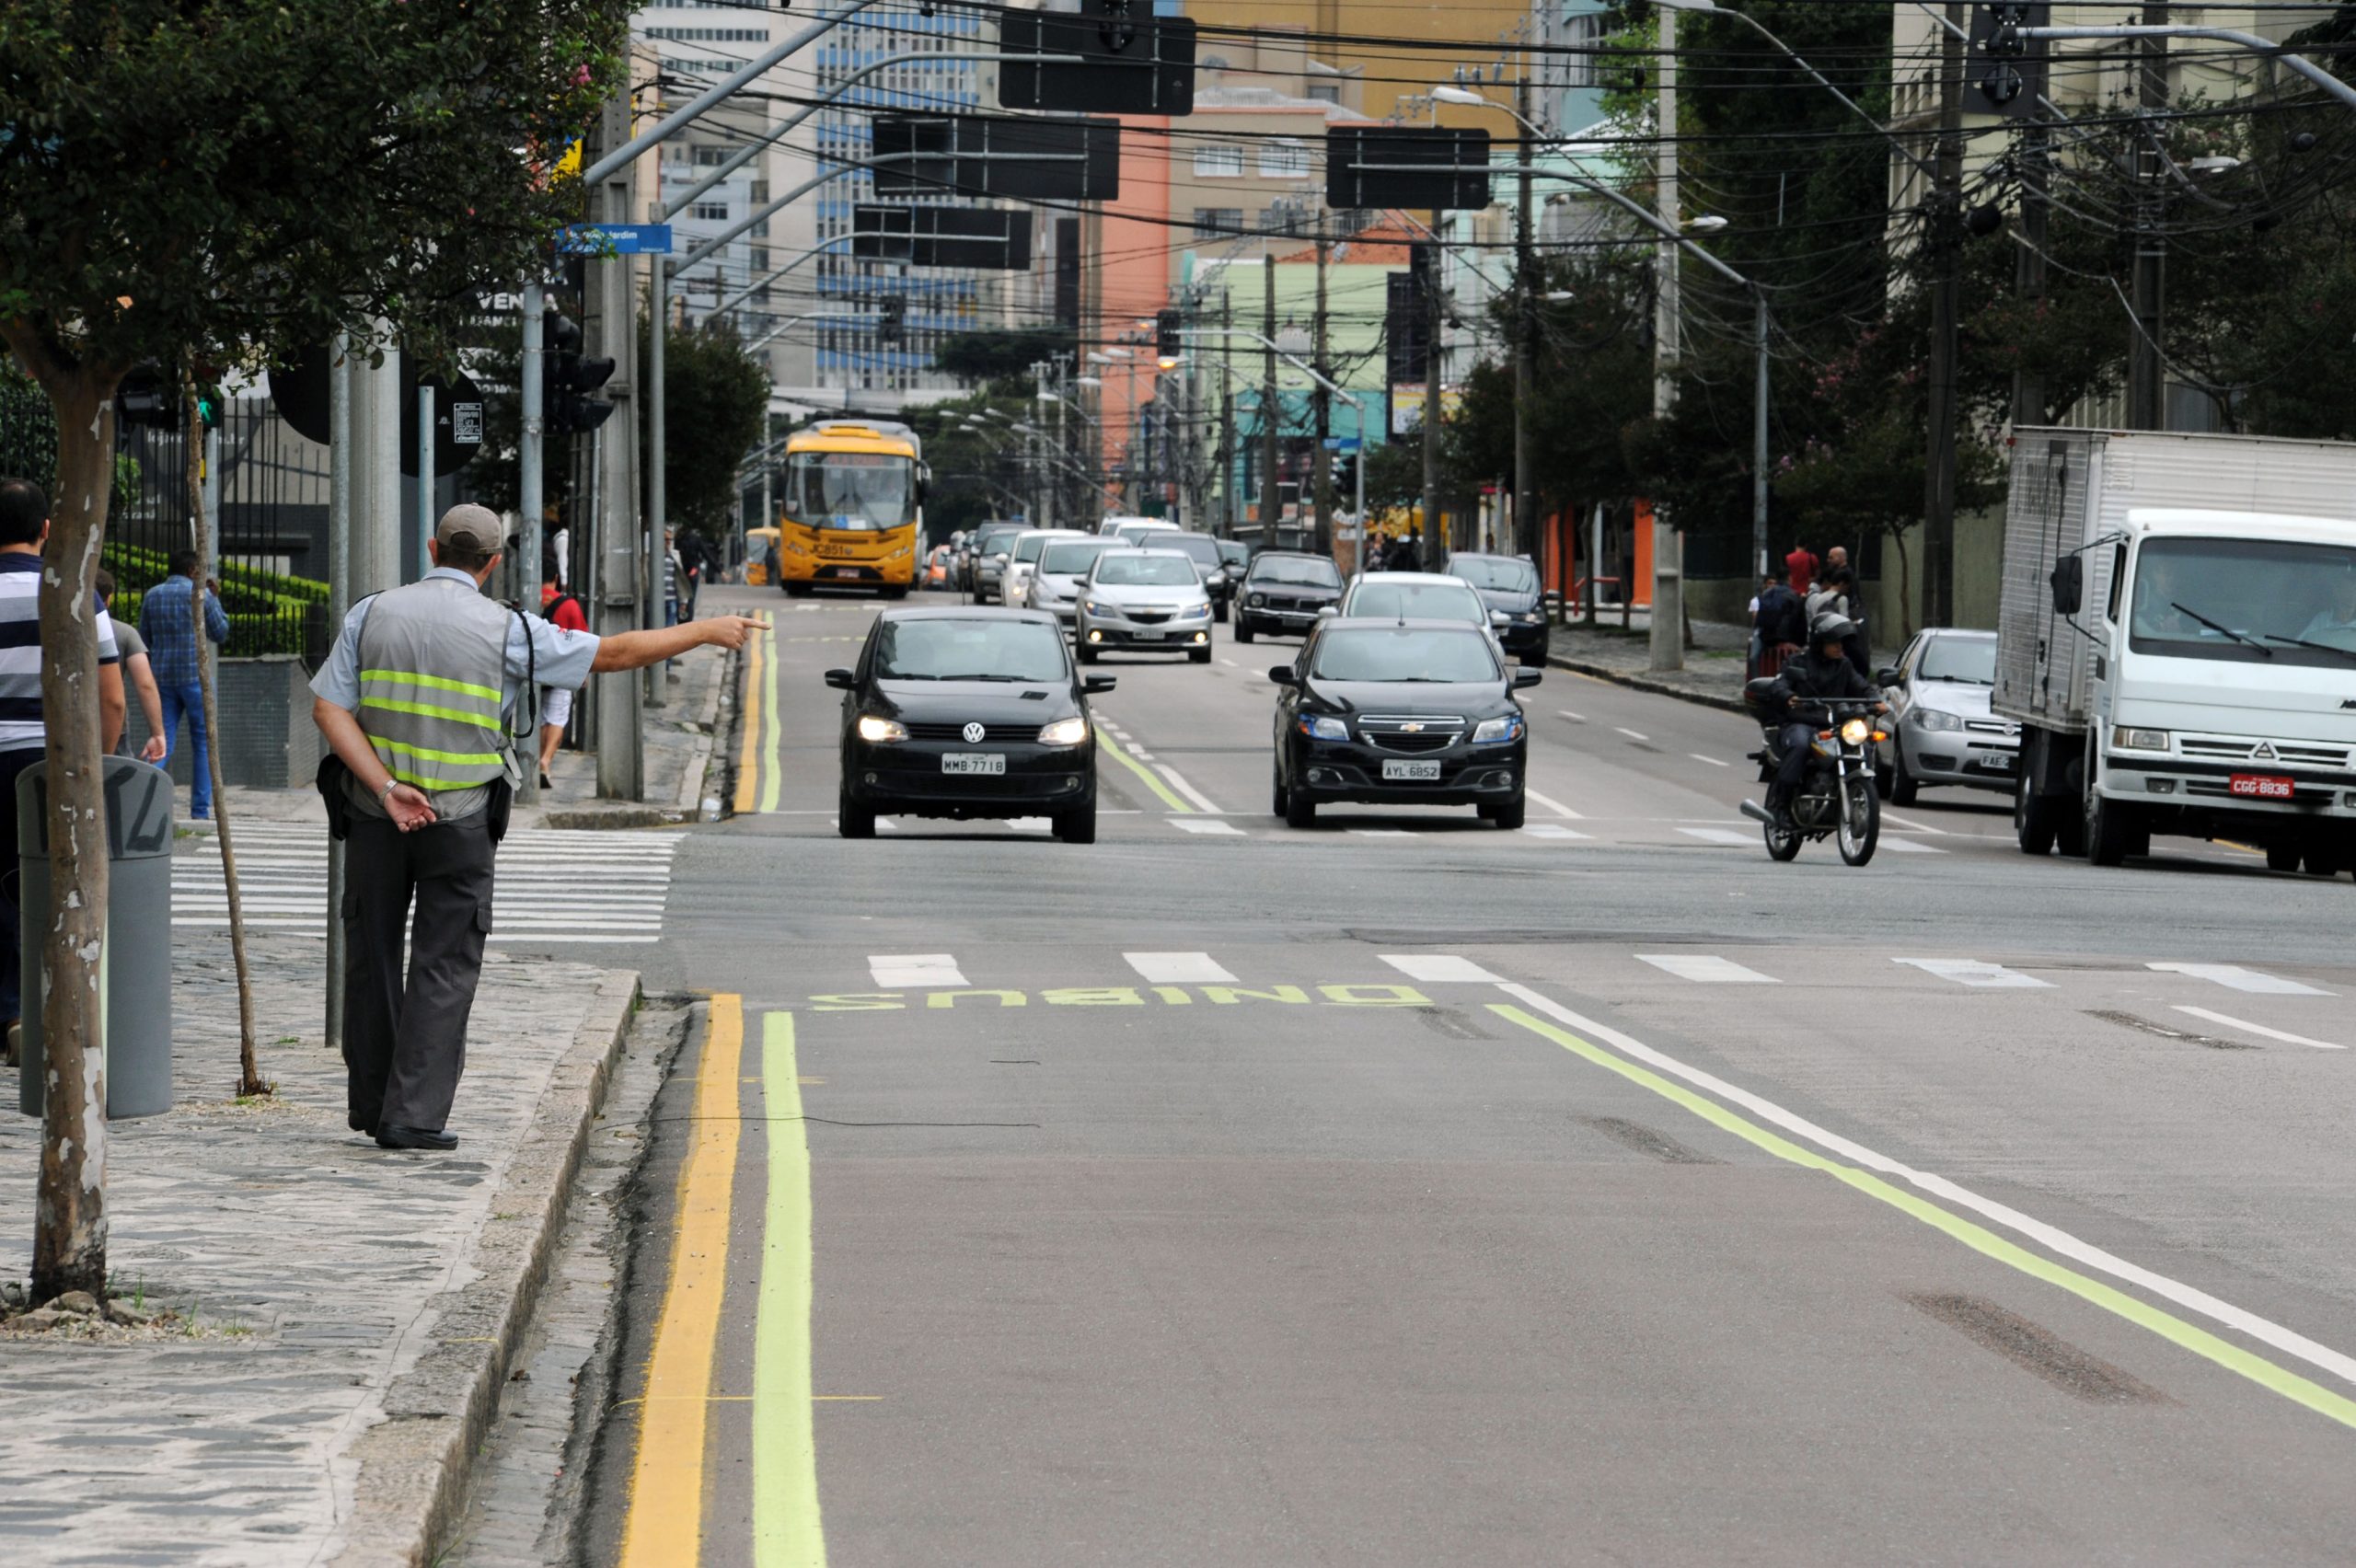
(2176, 638)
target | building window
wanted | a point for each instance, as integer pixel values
(709, 211)
(1325, 92)
(1217, 222)
(1286, 159)
(1218, 163)
(710, 157)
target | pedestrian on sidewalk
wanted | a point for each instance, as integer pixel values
(138, 673)
(563, 612)
(24, 529)
(423, 700)
(1799, 569)
(168, 620)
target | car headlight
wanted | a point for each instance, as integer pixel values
(872, 728)
(1093, 608)
(2125, 739)
(1188, 612)
(1064, 731)
(1933, 718)
(1856, 731)
(1507, 728)
(1318, 728)
(1257, 599)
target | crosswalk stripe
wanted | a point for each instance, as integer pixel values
(2260, 1030)
(1552, 830)
(1705, 969)
(1211, 826)
(1719, 835)
(1437, 968)
(1179, 969)
(1972, 972)
(930, 971)
(2234, 977)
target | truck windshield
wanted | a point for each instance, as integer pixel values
(2254, 601)
(864, 490)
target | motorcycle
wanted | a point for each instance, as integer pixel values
(1836, 798)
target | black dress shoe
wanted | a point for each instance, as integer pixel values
(390, 1137)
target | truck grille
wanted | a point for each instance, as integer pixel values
(2231, 748)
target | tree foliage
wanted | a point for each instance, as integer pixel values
(1001, 357)
(715, 397)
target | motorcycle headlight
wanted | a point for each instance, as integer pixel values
(1318, 728)
(1856, 731)
(872, 728)
(1932, 719)
(1257, 599)
(1507, 727)
(1064, 731)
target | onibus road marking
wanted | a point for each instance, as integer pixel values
(787, 1528)
(1864, 1172)
(662, 1523)
(2260, 1029)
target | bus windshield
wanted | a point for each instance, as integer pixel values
(870, 491)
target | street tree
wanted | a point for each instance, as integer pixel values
(714, 395)
(226, 182)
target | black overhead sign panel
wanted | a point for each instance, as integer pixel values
(974, 154)
(1389, 166)
(1128, 64)
(982, 238)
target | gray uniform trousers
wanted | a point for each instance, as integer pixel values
(405, 1042)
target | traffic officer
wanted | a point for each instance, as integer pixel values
(424, 700)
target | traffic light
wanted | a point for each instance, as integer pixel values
(1345, 472)
(566, 380)
(890, 325)
(1168, 340)
(145, 398)
(2003, 71)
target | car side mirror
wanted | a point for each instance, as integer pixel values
(1326, 611)
(1283, 675)
(1525, 675)
(1094, 684)
(2069, 581)
(841, 680)
(1892, 677)
(1499, 618)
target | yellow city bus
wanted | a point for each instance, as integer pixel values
(853, 508)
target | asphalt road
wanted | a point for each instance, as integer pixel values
(1410, 1190)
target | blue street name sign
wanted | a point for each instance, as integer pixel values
(1340, 444)
(614, 239)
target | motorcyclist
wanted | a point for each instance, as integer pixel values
(1820, 675)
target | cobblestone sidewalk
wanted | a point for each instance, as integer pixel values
(347, 1308)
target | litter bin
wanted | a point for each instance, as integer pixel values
(138, 967)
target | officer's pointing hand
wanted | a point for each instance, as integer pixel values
(729, 631)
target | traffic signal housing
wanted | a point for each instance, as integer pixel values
(2004, 73)
(891, 322)
(567, 379)
(1169, 338)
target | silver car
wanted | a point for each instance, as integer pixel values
(1055, 584)
(1152, 601)
(1016, 584)
(1420, 595)
(1941, 731)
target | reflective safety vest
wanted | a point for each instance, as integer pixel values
(433, 670)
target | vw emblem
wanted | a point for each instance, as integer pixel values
(974, 733)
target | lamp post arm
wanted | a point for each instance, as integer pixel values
(2251, 41)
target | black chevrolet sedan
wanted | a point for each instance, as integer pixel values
(1509, 585)
(1399, 712)
(965, 711)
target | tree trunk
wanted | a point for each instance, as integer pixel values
(69, 1214)
(249, 1079)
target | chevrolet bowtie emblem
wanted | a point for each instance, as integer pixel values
(1411, 729)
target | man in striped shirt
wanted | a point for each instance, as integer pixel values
(24, 528)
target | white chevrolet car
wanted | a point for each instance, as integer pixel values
(1147, 601)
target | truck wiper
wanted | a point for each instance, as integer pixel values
(2226, 630)
(2347, 653)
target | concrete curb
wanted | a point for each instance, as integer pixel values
(410, 1472)
(1646, 683)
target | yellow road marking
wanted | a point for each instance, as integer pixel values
(747, 773)
(787, 1531)
(1113, 749)
(2233, 1357)
(665, 1523)
(772, 754)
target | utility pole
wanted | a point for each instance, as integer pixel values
(1271, 409)
(609, 333)
(1436, 317)
(341, 508)
(1667, 639)
(1525, 373)
(1947, 250)
(2147, 375)
(531, 482)
(1323, 401)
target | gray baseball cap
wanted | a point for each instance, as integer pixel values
(472, 527)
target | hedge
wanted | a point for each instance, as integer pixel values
(268, 611)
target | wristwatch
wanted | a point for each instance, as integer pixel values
(391, 785)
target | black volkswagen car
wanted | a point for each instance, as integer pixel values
(1510, 586)
(1282, 592)
(967, 711)
(1399, 712)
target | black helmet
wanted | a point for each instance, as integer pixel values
(1830, 627)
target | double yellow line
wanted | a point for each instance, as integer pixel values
(664, 1523)
(759, 772)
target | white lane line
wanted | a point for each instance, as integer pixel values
(2260, 1029)
(1719, 835)
(915, 970)
(1205, 824)
(1137, 751)
(1972, 972)
(1385, 833)
(1909, 823)
(1705, 969)
(1202, 801)
(1573, 718)
(2234, 977)
(1551, 803)
(1908, 846)
(1713, 761)
(1553, 830)
(1230, 663)
(2053, 1237)
(1179, 969)
(1437, 968)
(1634, 735)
